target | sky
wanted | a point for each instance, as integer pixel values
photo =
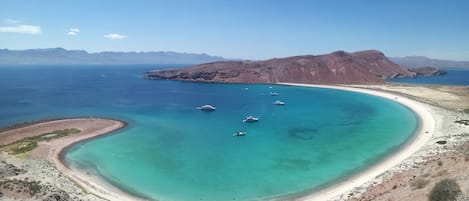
(241, 29)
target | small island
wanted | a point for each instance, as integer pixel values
(426, 71)
(364, 67)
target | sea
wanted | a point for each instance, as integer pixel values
(172, 151)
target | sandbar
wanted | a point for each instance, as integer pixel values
(54, 150)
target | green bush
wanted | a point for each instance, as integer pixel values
(27, 144)
(23, 147)
(445, 190)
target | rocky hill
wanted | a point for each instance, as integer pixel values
(427, 71)
(419, 61)
(63, 56)
(364, 67)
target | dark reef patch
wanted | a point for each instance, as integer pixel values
(302, 133)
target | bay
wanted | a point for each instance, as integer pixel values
(172, 151)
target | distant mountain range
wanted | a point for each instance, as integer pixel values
(419, 61)
(63, 56)
(364, 67)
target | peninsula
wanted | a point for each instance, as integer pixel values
(38, 142)
(364, 67)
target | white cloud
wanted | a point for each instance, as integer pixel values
(10, 21)
(114, 36)
(73, 31)
(22, 28)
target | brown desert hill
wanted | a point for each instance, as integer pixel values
(364, 67)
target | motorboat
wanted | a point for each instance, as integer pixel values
(279, 103)
(239, 133)
(207, 107)
(273, 93)
(251, 119)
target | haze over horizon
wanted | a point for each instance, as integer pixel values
(240, 29)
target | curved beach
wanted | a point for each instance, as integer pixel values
(53, 151)
(422, 135)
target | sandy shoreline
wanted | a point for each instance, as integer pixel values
(420, 138)
(53, 151)
(414, 178)
(91, 183)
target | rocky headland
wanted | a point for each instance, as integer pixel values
(364, 67)
(427, 71)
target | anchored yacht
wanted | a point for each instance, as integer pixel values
(279, 103)
(239, 133)
(251, 119)
(207, 107)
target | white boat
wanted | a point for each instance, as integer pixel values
(207, 107)
(279, 103)
(251, 119)
(239, 133)
(273, 93)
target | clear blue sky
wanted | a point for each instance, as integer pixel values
(248, 29)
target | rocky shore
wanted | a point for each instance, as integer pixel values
(36, 179)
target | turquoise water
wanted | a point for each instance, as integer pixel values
(171, 151)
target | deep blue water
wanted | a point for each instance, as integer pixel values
(171, 151)
(453, 77)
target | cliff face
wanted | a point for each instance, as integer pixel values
(365, 67)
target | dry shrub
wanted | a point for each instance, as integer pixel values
(446, 190)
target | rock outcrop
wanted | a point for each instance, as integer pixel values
(365, 67)
(427, 71)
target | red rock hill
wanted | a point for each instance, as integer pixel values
(364, 67)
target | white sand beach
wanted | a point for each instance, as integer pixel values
(52, 151)
(422, 135)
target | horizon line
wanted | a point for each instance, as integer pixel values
(223, 57)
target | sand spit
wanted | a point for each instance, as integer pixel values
(52, 151)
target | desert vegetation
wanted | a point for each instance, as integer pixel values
(446, 190)
(28, 144)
